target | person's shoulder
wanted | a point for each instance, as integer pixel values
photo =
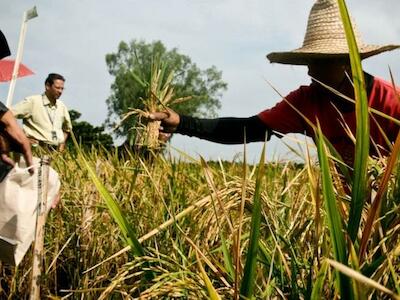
(34, 98)
(383, 84)
(302, 93)
(304, 89)
(383, 95)
(61, 103)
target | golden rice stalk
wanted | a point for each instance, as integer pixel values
(160, 93)
(147, 134)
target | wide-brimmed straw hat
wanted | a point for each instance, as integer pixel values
(325, 38)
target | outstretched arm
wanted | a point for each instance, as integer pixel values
(220, 130)
(225, 130)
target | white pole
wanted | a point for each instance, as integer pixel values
(29, 14)
(43, 183)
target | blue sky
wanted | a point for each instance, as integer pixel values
(72, 38)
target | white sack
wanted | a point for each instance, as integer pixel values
(18, 209)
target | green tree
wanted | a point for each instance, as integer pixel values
(88, 135)
(134, 60)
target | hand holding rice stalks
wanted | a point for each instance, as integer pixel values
(159, 95)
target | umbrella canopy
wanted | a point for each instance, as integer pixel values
(6, 70)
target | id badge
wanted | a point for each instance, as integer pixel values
(54, 135)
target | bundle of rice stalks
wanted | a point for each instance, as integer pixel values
(159, 96)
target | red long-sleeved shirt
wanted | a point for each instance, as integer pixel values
(314, 104)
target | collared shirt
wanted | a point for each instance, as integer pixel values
(43, 121)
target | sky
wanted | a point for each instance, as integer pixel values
(72, 38)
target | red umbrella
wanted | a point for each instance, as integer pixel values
(6, 70)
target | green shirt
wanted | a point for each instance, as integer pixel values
(43, 121)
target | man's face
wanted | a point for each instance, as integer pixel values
(330, 72)
(55, 90)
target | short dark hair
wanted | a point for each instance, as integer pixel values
(53, 76)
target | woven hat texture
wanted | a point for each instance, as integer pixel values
(325, 38)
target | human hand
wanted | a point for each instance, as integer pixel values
(169, 122)
(56, 200)
(61, 147)
(13, 139)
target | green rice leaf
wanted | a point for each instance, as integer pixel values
(362, 279)
(127, 230)
(376, 205)
(138, 79)
(241, 214)
(359, 190)
(227, 259)
(317, 291)
(357, 288)
(333, 216)
(250, 268)
(213, 294)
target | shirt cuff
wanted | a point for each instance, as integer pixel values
(186, 125)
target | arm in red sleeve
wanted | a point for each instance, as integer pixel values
(283, 118)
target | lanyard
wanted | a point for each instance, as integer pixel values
(51, 119)
(50, 114)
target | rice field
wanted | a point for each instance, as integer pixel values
(202, 251)
(163, 227)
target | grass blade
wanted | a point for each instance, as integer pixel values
(375, 207)
(250, 269)
(241, 214)
(227, 258)
(335, 155)
(333, 216)
(210, 288)
(319, 282)
(116, 212)
(359, 190)
(354, 263)
(361, 278)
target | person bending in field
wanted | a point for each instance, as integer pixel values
(325, 53)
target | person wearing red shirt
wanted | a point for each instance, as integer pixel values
(317, 103)
(325, 53)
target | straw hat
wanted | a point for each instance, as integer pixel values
(325, 38)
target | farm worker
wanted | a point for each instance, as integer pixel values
(12, 137)
(45, 117)
(326, 54)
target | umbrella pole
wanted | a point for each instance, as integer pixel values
(29, 14)
(43, 178)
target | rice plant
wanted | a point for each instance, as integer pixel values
(185, 228)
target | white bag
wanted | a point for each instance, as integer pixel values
(18, 209)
